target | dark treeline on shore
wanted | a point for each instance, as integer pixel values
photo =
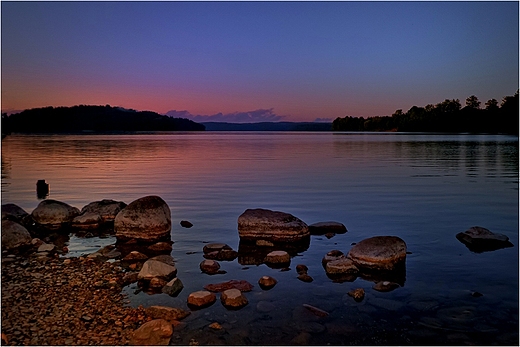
(84, 118)
(447, 116)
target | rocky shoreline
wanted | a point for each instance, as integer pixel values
(65, 301)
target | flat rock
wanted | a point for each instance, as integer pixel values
(262, 224)
(154, 268)
(53, 214)
(233, 298)
(379, 252)
(146, 219)
(322, 228)
(478, 240)
(341, 266)
(316, 311)
(332, 255)
(106, 208)
(160, 247)
(14, 235)
(201, 298)
(243, 286)
(46, 247)
(154, 332)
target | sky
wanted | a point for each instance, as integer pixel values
(257, 61)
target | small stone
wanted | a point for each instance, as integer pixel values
(476, 294)
(174, 287)
(157, 283)
(154, 332)
(241, 285)
(160, 247)
(357, 294)
(278, 257)
(301, 269)
(332, 255)
(186, 224)
(215, 326)
(134, 255)
(46, 247)
(209, 266)
(267, 282)
(305, 278)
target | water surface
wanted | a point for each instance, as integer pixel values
(422, 188)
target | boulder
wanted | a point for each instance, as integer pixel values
(201, 299)
(323, 228)
(478, 240)
(14, 235)
(169, 314)
(262, 224)
(278, 258)
(154, 268)
(173, 288)
(233, 298)
(242, 285)
(107, 209)
(267, 282)
(379, 253)
(147, 219)
(154, 332)
(13, 212)
(87, 221)
(53, 214)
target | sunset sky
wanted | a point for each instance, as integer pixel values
(255, 61)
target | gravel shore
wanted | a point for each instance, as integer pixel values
(65, 301)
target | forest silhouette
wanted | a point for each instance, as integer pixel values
(447, 116)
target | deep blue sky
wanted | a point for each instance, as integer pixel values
(298, 60)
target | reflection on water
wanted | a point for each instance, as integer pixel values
(424, 189)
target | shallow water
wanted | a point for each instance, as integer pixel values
(422, 188)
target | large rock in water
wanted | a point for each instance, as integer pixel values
(379, 253)
(146, 219)
(107, 209)
(479, 240)
(261, 224)
(13, 212)
(14, 235)
(53, 214)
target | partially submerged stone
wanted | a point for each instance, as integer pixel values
(155, 268)
(385, 286)
(209, 266)
(479, 240)
(186, 224)
(322, 228)
(201, 299)
(173, 288)
(14, 235)
(147, 219)
(267, 282)
(272, 226)
(379, 253)
(53, 214)
(87, 221)
(13, 212)
(341, 266)
(233, 298)
(106, 208)
(167, 313)
(316, 311)
(219, 251)
(332, 255)
(358, 294)
(154, 332)
(278, 258)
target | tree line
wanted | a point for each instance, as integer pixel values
(87, 118)
(446, 116)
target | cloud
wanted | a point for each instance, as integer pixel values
(261, 115)
(323, 120)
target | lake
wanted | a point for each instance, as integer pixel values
(424, 188)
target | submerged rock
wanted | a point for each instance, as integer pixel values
(385, 286)
(332, 255)
(219, 251)
(53, 214)
(241, 285)
(478, 240)
(233, 298)
(379, 253)
(358, 294)
(209, 266)
(267, 225)
(146, 219)
(173, 288)
(267, 282)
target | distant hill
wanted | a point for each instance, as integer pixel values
(268, 126)
(84, 118)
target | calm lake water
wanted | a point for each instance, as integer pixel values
(422, 188)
